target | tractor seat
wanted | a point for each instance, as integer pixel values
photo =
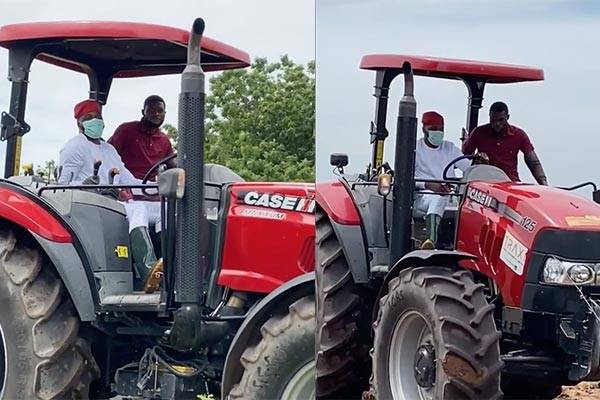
(217, 173)
(485, 173)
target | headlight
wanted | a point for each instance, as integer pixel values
(568, 273)
(581, 274)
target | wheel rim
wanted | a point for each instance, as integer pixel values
(411, 344)
(302, 384)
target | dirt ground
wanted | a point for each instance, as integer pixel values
(583, 391)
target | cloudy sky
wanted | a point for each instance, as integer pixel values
(263, 28)
(559, 36)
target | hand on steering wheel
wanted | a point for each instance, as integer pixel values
(457, 159)
(154, 168)
(482, 158)
(438, 187)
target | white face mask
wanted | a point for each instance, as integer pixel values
(93, 128)
(436, 138)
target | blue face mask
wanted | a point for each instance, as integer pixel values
(93, 128)
(436, 138)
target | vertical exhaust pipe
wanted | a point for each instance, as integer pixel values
(404, 169)
(191, 254)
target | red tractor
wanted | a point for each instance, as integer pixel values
(235, 313)
(507, 303)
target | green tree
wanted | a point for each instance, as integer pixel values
(260, 121)
(171, 132)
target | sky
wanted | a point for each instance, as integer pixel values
(559, 36)
(262, 28)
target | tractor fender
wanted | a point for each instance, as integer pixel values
(336, 202)
(248, 333)
(20, 208)
(68, 264)
(57, 239)
(333, 197)
(418, 258)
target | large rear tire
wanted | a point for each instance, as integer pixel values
(281, 365)
(43, 356)
(435, 338)
(343, 321)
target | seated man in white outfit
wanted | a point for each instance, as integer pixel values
(433, 153)
(77, 159)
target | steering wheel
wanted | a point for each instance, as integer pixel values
(451, 164)
(154, 168)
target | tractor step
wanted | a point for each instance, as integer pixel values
(137, 301)
(380, 270)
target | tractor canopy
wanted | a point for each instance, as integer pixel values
(117, 49)
(103, 51)
(474, 74)
(453, 68)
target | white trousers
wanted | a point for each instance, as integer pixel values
(427, 204)
(141, 213)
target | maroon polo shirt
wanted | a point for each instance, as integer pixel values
(502, 149)
(140, 146)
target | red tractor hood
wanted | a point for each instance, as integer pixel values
(502, 223)
(546, 207)
(270, 235)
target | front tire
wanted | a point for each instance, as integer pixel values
(281, 365)
(435, 338)
(43, 356)
(343, 320)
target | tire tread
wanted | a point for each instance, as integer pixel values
(65, 365)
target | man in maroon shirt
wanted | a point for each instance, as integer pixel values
(141, 143)
(502, 142)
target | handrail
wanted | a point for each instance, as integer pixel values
(592, 184)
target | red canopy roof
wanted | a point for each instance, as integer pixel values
(454, 69)
(132, 49)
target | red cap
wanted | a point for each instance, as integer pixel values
(432, 118)
(86, 106)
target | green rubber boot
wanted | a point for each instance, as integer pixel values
(144, 259)
(432, 223)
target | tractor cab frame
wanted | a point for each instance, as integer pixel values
(475, 75)
(103, 51)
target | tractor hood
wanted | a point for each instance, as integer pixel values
(512, 226)
(531, 208)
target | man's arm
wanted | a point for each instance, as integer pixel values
(116, 140)
(71, 161)
(125, 177)
(535, 166)
(531, 159)
(462, 164)
(470, 144)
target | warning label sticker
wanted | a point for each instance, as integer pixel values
(513, 253)
(586, 220)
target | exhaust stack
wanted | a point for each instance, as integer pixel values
(404, 169)
(191, 254)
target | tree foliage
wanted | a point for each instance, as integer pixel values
(260, 121)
